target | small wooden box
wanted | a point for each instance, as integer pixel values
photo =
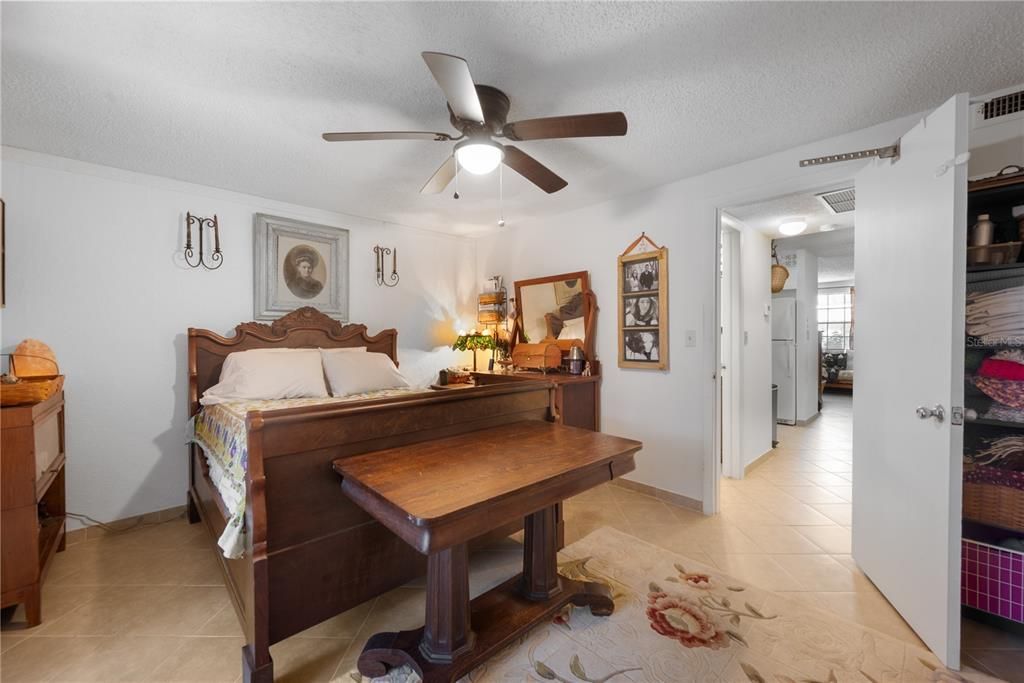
(543, 356)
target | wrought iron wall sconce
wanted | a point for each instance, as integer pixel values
(383, 278)
(197, 258)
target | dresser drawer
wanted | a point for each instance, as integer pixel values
(48, 442)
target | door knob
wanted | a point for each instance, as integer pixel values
(938, 412)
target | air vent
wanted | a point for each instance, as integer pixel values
(839, 201)
(1003, 106)
(998, 109)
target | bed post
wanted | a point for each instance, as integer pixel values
(257, 666)
(191, 507)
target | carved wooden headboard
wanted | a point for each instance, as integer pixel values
(302, 328)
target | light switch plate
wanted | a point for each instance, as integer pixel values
(691, 337)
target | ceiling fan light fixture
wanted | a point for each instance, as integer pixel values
(793, 227)
(479, 156)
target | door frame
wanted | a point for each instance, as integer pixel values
(820, 179)
(730, 385)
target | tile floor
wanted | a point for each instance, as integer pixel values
(149, 605)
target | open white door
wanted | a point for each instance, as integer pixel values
(909, 340)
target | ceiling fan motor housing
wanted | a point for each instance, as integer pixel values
(495, 105)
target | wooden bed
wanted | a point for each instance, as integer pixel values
(311, 552)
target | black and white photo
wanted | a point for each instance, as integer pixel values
(641, 311)
(640, 276)
(299, 264)
(642, 346)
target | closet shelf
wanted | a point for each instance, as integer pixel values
(985, 422)
(1012, 269)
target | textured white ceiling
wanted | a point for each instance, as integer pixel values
(766, 216)
(834, 248)
(235, 95)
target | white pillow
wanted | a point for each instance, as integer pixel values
(268, 374)
(572, 329)
(343, 350)
(356, 373)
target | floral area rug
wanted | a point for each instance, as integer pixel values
(677, 620)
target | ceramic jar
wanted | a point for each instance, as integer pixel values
(982, 232)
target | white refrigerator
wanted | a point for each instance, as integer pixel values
(784, 342)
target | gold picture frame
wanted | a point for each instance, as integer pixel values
(643, 308)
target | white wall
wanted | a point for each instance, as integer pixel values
(670, 411)
(91, 271)
(756, 294)
(808, 369)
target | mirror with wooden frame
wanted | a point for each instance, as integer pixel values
(559, 309)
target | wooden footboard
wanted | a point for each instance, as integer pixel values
(312, 553)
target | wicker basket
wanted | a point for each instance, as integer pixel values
(1001, 506)
(30, 391)
(779, 276)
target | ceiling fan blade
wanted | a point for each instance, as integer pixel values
(531, 169)
(442, 176)
(452, 74)
(387, 135)
(577, 126)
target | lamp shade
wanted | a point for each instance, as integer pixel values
(479, 157)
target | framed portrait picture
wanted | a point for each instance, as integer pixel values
(643, 306)
(299, 264)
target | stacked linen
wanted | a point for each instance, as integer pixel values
(1001, 378)
(997, 317)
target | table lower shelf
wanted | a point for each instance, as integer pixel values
(498, 617)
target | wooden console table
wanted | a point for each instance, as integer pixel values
(577, 397)
(439, 495)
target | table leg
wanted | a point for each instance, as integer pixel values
(540, 555)
(446, 632)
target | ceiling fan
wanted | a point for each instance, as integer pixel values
(479, 113)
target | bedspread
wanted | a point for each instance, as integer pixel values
(220, 431)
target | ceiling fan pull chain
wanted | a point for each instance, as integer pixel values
(456, 195)
(501, 198)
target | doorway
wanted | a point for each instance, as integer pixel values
(730, 350)
(777, 350)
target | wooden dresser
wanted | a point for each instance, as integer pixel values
(31, 499)
(577, 398)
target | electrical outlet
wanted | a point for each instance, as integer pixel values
(691, 337)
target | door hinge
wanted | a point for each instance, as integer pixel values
(957, 417)
(889, 152)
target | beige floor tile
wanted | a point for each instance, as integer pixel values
(106, 612)
(843, 492)
(182, 611)
(783, 540)
(58, 601)
(397, 610)
(840, 513)
(120, 658)
(202, 660)
(832, 539)
(307, 660)
(826, 479)
(817, 573)
(760, 570)
(811, 494)
(9, 640)
(225, 623)
(39, 659)
(795, 513)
